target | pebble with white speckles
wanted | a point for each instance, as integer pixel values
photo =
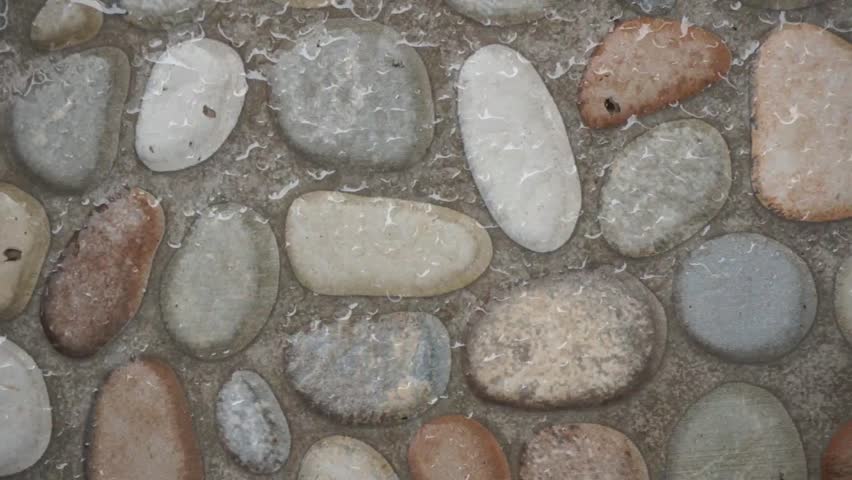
(502, 12)
(159, 14)
(344, 458)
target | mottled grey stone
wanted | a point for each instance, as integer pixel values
(502, 12)
(222, 283)
(65, 130)
(651, 7)
(251, 423)
(664, 187)
(781, 4)
(737, 431)
(745, 297)
(344, 458)
(582, 339)
(372, 371)
(843, 298)
(352, 94)
(160, 14)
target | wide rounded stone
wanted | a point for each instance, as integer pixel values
(102, 274)
(344, 458)
(646, 64)
(23, 248)
(582, 450)
(578, 340)
(159, 14)
(141, 426)
(664, 186)
(518, 149)
(63, 23)
(306, 3)
(843, 298)
(220, 287)
(456, 448)
(837, 459)
(736, 431)
(343, 244)
(353, 94)
(372, 371)
(192, 101)
(65, 130)
(502, 12)
(653, 8)
(251, 424)
(745, 297)
(801, 106)
(25, 415)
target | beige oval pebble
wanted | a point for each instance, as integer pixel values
(344, 458)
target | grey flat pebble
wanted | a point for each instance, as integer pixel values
(664, 186)
(502, 12)
(222, 283)
(651, 7)
(160, 14)
(65, 130)
(737, 431)
(251, 423)
(344, 458)
(781, 4)
(745, 297)
(843, 298)
(352, 94)
(372, 371)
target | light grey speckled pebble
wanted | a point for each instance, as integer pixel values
(502, 12)
(344, 458)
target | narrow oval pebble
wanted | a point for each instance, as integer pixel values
(644, 65)
(141, 428)
(801, 106)
(192, 101)
(745, 297)
(456, 448)
(843, 298)
(372, 371)
(664, 186)
(101, 277)
(736, 431)
(220, 287)
(63, 23)
(343, 244)
(837, 458)
(25, 416)
(518, 149)
(353, 94)
(582, 450)
(502, 12)
(344, 458)
(578, 340)
(65, 130)
(159, 14)
(251, 423)
(23, 248)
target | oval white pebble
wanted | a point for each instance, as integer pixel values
(344, 458)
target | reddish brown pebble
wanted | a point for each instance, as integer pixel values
(141, 427)
(837, 459)
(101, 277)
(644, 65)
(456, 448)
(582, 450)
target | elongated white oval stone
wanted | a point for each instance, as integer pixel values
(192, 101)
(342, 244)
(518, 149)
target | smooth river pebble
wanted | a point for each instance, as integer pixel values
(503, 12)
(344, 458)
(456, 448)
(63, 23)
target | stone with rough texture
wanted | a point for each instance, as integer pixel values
(644, 65)
(344, 458)
(65, 131)
(745, 297)
(220, 287)
(664, 187)
(343, 244)
(25, 415)
(737, 431)
(141, 426)
(651, 7)
(192, 102)
(306, 3)
(102, 274)
(579, 340)
(63, 23)
(837, 458)
(165, 14)
(802, 113)
(518, 149)
(23, 248)
(503, 12)
(372, 371)
(352, 94)
(582, 450)
(843, 298)
(251, 423)
(456, 448)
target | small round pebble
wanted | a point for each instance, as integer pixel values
(63, 23)
(344, 458)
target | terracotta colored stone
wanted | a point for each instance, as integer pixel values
(802, 115)
(456, 448)
(837, 458)
(582, 451)
(102, 275)
(644, 65)
(141, 427)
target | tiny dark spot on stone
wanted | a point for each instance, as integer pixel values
(209, 112)
(12, 254)
(151, 148)
(397, 63)
(612, 106)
